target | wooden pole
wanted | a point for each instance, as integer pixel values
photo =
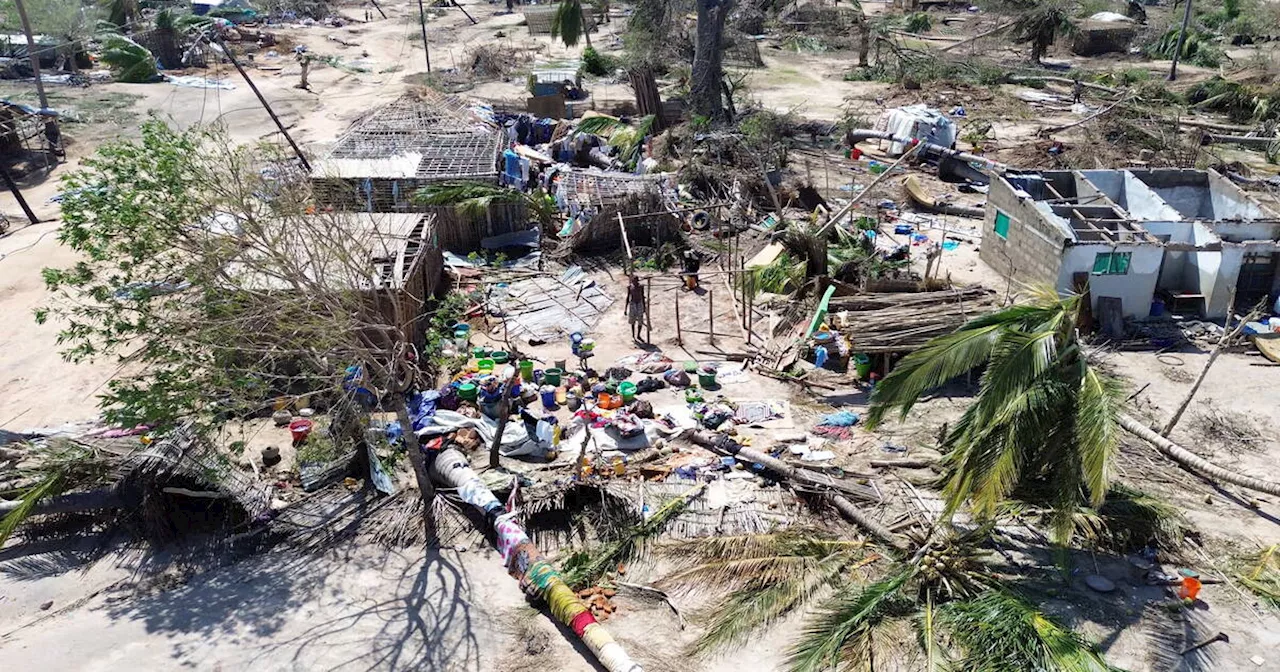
(625, 242)
(422, 20)
(711, 317)
(32, 53)
(648, 316)
(1182, 40)
(279, 125)
(679, 337)
(13, 187)
(384, 14)
(504, 411)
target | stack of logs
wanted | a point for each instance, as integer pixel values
(903, 322)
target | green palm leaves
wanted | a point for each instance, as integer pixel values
(130, 62)
(1043, 413)
(962, 618)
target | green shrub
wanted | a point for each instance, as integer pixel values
(596, 63)
(918, 22)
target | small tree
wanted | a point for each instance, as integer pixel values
(207, 276)
(1040, 26)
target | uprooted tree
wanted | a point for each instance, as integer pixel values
(207, 276)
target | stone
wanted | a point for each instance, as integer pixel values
(1099, 584)
(46, 606)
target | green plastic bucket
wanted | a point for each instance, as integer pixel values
(552, 376)
(499, 356)
(707, 380)
(526, 370)
(862, 364)
(628, 392)
(485, 365)
(467, 391)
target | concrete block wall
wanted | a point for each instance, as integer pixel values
(1032, 253)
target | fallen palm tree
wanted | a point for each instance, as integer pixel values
(1192, 461)
(525, 562)
(71, 477)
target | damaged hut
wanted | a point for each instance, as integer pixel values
(420, 139)
(595, 202)
(393, 257)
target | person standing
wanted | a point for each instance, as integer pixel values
(692, 262)
(635, 308)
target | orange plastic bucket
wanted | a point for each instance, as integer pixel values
(1189, 589)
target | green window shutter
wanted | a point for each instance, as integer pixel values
(1120, 262)
(1112, 263)
(1002, 225)
(1102, 263)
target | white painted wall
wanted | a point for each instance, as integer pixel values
(1239, 232)
(1216, 280)
(1143, 203)
(1230, 202)
(1135, 289)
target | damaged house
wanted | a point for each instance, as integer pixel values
(1140, 238)
(420, 139)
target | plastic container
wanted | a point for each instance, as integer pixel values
(500, 356)
(587, 345)
(1189, 589)
(820, 356)
(552, 376)
(468, 391)
(548, 395)
(560, 364)
(300, 429)
(485, 365)
(575, 342)
(479, 352)
(1157, 307)
(707, 379)
(862, 364)
(526, 370)
(562, 395)
(628, 392)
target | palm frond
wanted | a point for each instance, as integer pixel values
(752, 607)
(130, 62)
(1000, 632)
(468, 198)
(601, 125)
(1132, 519)
(1098, 406)
(586, 567)
(1262, 575)
(568, 23)
(51, 485)
(840, 635)
(796, 542)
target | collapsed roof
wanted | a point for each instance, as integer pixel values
(423, 135)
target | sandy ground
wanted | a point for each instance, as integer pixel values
(367, 609)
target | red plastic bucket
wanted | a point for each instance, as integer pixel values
(300, 429)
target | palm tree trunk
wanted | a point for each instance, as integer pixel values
(864, 40)
(1194, 462)
(524, 562)
(720, 443)
(708, 69)
(76, 502)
